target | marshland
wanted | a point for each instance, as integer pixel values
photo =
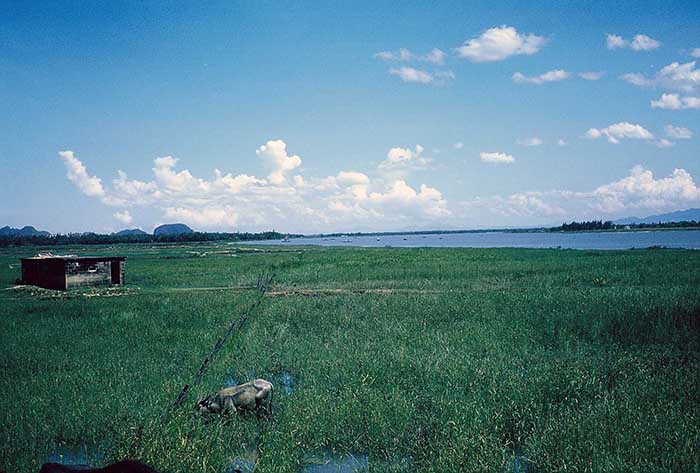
(392, 359)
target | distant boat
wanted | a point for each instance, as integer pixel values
(286, 239)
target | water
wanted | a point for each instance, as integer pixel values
(569, 240)
(79, 457)
(522, 464)
(246, 463)
(287, 381)
(333, 462)
(283, 379)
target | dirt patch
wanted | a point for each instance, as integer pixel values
(41, 293)
(353, 292)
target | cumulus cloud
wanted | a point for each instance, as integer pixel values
(350, 178)
(348, 199)
(622, 130)
(78, 175)
(534, 141)
(458, 145)
(496, 158)
(591, 75)
(497, 44)
(400, 162)
(641, 190)
(435, 56)
(274, 154)
(640, 42)
(675, 76)
(124, 217)
(638, 192)
(678, 132)
(206, 217)
(676, 102)
(170, 180)
(695, 52)
(551, 76)
(562, 142)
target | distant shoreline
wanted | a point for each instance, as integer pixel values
(494, 230)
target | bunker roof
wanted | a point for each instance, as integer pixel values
(74, 258)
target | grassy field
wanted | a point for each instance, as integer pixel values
(439, 360)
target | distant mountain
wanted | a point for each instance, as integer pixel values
(130, 232)
(172, 229)
(679, 216)
(24, 231)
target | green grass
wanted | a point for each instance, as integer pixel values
(444, 359)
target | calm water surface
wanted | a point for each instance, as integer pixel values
(576, 240)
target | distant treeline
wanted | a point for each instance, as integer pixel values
(97, 239)
(608, 225)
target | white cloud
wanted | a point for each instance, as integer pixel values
(123, 216)
(350, 178)
(534, 141)
(640, 42)
(695, 52)
(458, 145)
(207, 217)
(496, 158)
(400, 196)
(675, 76)
(664, 143)
(614, 41)
(410, 74)
(676, 102)
(622, 130)
(139, 192)
(678, 132)
(551, 76)
(644, 43)
(562, 142)
(638, 192)
(435, 56)
(350, 200)
(400, 162)
(274, 154)
(176, 181)
(496, 44)
(591, 75)
(78, 175)
(641, 190)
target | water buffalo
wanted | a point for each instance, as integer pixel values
(245, 397)
(126, 466)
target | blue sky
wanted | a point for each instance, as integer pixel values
(346, 117)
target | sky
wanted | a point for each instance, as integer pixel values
(309, 117)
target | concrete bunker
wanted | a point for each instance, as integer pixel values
(73, 272)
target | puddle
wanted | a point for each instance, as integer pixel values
(286, 381)
(521, 464)
(332, 462)
(395, 465)
(245, 463)
(231, 380)
(283, 380)
(81, 456)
